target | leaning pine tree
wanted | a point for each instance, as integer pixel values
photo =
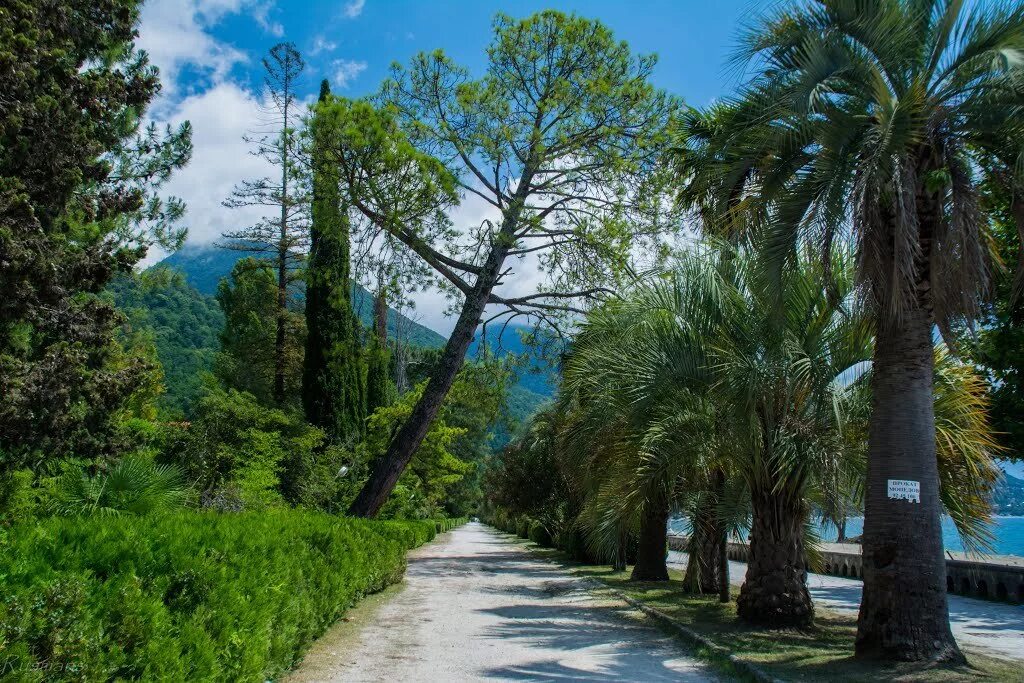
(561, 137)
(333, 395)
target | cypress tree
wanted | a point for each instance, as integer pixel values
(378, 386)
(333, 392)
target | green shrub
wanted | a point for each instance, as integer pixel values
(443, 525)
(186, 596)
(539, 534)
(523, 527)
(134, 485)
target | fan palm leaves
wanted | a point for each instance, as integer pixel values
(135, 485)
(706, 371)
(875, 121)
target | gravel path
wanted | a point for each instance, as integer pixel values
(477, 606)
(993, 628)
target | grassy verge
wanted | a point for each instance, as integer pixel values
(824, 653)
(190, 596)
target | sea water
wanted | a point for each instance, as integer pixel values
(1008, 533)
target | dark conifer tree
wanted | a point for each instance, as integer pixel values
(379, 391)
(333, 393)
(79, 179)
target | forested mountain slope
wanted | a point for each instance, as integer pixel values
(204, 266)
(175, 299)
(185, 325)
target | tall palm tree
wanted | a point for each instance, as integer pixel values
(876, 119)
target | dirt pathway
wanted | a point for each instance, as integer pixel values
(477, 606)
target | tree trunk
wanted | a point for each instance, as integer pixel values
(841, 529)
(619, 564)
(282, 310)
(774, 592)
(705, 551)
(390, 466)
(723, 569)
(651, 548)
(282, 261)
(380, 316)
(903, 614)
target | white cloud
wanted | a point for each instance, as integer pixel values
(346, 70)
(261, 13)
(354, 8)
(174, 33)
(221, 159)
(321, 44)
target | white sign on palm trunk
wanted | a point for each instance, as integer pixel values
(905, 489)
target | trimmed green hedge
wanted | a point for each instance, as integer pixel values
(191, 596)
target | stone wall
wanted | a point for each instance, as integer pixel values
(994, 577)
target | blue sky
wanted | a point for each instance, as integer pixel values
(209, 54)
(692, 38)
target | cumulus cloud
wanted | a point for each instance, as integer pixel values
(175, 34)
(354, 8)
(346, 71)
(220, 117)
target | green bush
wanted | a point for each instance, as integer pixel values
(523, 527)
(186, 596)
(539, 534)
(443, 525)
(134, 485)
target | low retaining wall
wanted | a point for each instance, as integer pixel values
(995, 577)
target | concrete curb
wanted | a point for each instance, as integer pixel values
(688, 634)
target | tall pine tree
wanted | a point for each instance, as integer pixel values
(333, 390)
(281, 237)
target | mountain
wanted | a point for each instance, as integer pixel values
(537, 374)
(1008, 496)
(185, 325)
(203, 267)
(186, 320)
(536, 381)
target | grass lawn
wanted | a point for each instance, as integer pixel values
(824, 653)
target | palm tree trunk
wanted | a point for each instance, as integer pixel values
(704, 566)
(651, 552)
(619, 564)
(774, 592)
(723, 569)
(904, 614)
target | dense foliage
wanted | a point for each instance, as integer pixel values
(250, 355)
(185, 326)
(77, 206)
(333, 383)
(186, 596)
(998, 344)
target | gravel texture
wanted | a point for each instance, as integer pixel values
(476, 606)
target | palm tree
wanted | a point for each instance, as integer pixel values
(778, 364)
(876, 119)
(135, 485)
(708, 367)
